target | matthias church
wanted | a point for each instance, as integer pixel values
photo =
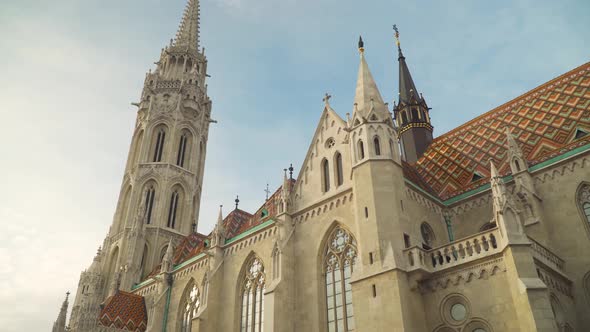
(485, 228)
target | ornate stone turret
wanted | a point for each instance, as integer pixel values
(411, 113)
(60, 323)
(167, 260)
(89, 295)
(506, 214)
(218, 234)
(530, 201)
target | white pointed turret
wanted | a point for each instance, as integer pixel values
(60, 323)
(188, 31)
(367, 97)
(167, 260)
(218, 235)
(498, 189)
(516, 157)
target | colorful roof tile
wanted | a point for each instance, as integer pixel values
(124, 311)
(547, 121)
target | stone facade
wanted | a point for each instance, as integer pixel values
(362, 239)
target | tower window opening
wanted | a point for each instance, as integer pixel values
(361, 150)
(181, 150)
(159, 145)
(172, 210)
(404, 118)
(326, 175)
(377, 146)
(149, 204)
(366, 212)
(374, 290)
(339, 173)
(414, 114)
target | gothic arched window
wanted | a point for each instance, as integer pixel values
(182, 147)
(173, 209)
(159, 147)
(391, 148)
(339, 261)
(377, 146)
(404, 118)
(414, 114)
(252, 310)
(427, 235)
(190, 309)
(338, 168)
(325, 175)
(149, 204)
(583, 200)
(361, 150)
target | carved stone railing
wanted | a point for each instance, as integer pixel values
(546, 256)
(458, 252)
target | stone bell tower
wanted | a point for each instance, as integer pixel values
(161, 190)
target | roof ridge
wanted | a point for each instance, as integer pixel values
(520, 97)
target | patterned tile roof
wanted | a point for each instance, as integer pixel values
(546, 122)
(124, 311)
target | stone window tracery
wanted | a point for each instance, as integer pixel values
(427, 235)
(252, 309)
(191, 307)
(339, 261)
(583, 200)
(149, 204)
(182, 150)
(159, 148)
(173, 209)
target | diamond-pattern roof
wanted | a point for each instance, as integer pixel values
(124, 311)
(545, 122)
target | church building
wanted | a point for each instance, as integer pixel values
(384, 228)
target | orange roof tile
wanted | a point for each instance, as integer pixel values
(124, 311)
(544, 121)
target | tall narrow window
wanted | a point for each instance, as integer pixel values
(377, 146)
(325, 175)
(252, 317)
(190, 308)
(143, 262)
(339, 173)
(159, 148)
(182, 145)
(149, 204)
(414, 114)
(340, 257)
(199, 158)
(172, 209)
(361, 150)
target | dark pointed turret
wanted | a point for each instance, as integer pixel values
(411, 113)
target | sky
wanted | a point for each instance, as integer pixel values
(70, 70)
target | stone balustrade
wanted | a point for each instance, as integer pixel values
(546, 256)
(458, 252)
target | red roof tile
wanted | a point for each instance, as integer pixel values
(124, 311)
(544, 122)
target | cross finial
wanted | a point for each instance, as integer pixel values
(194, 224)
(267, 191)
(396, 35)
(291, 171)
(326, 99)
(237, 200)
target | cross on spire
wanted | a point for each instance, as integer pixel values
(397, 38)
(326, 99)
(267, 191)
(291, 171)
(237, 200)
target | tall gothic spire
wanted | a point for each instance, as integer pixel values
(188, 31)
(407, 88)
(367, 96)
(60, 323)
(411, 112)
